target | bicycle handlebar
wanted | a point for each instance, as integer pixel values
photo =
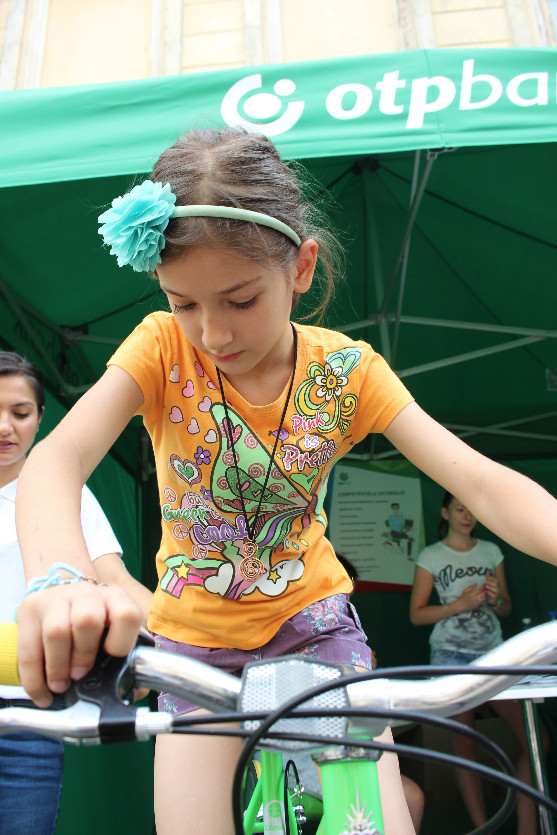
(8, 654)
(451, 694)
(97, 713)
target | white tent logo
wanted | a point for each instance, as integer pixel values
(413, 99)
(260, 110)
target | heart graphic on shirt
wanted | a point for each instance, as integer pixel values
(227, 429)
(199, 369)
(175, 374)
(185, 469)
(211, 385)
(205, 405)
(219, 583)
(187, 391)
(211, 437)
(176, 415)
(193, 427)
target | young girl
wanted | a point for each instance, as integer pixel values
(469, 578)
(31, 765)
(247, 414)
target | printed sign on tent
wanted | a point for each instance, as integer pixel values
(375, 521)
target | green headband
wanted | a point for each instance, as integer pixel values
(237, 214)
(134, 226)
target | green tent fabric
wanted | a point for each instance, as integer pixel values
(441, 169)
(455, 291)
(348, 106)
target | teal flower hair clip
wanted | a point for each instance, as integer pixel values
(134, 226)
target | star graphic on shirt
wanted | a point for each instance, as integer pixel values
(183, 570)
(273, 575)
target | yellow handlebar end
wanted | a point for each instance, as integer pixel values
(8, 654)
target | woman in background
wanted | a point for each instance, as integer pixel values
(469, 578)
(31, 765)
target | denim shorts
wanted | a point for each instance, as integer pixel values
(30, 784)
(452, 657)
(328, 630)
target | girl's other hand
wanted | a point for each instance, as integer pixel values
(60, 629)
(472, 597)
(492, 589)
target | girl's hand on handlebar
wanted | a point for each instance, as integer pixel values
(60, 629)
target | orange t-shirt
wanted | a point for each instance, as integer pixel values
(342, 391)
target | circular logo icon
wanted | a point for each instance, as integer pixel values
(246, 105)
(273, 809)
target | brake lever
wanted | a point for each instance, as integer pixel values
(102, 686)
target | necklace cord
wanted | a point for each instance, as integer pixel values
(228, 429)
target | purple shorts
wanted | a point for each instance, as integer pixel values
(328, 630)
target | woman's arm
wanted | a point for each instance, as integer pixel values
(111, 570)
(420, 610)
(497, 592)
(422, 614)
(515, 508)
(60, 627)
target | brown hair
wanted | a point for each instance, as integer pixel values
(232, 167)
(443, 526)
(12, 363)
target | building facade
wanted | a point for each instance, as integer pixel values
(50, 43)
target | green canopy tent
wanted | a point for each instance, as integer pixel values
(442, 166)
(442, 169)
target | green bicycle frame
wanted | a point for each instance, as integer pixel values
(351, 798)
(269, 794)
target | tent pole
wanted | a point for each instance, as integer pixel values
(66, 336)
(478, 326)
(465, 431)
(75, 336)
(372, 256)
(471, 355)
(431, 157)
(404, 269)
(499, 428)
(31, 333)
(481, 327)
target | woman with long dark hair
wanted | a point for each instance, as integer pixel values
(469, 578)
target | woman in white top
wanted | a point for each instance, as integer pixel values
(31, 765)
(469, 578)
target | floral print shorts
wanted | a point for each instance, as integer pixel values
(328, 630)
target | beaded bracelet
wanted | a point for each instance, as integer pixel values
(55, 578)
